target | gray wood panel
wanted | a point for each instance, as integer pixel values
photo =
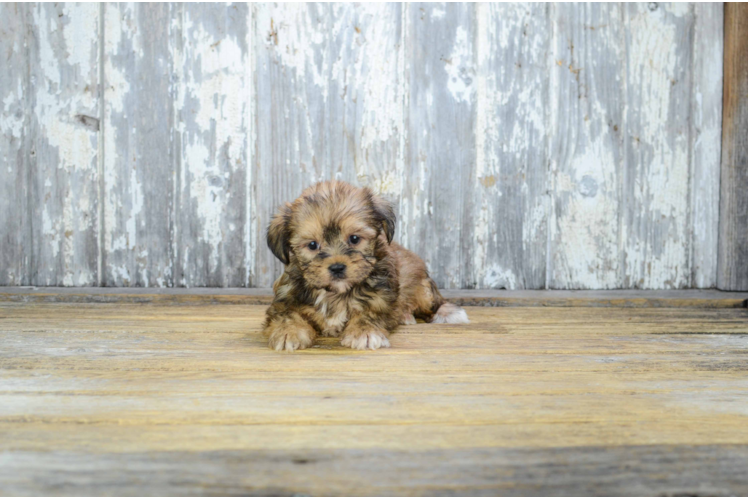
(706, 120)
(138, 145)
(656, 236)
(213, 105)
(441, 149)
(15, 226)
(524, 146)
(64, 137)
(733, 223)
(508, 185)
(586, 158)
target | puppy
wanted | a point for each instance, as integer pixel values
(344, 275)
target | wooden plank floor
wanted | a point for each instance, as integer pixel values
(122, 399)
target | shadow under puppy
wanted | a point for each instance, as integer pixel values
(344, 275)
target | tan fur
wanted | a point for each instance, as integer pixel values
(383, 284)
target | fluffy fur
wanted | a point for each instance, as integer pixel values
(344, 275)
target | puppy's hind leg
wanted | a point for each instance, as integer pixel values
(432, 307)
(450, 313)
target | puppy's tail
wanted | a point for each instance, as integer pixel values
(450, 313)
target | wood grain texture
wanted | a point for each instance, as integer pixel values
(15, 224)
(586, 156)
(329, 104)
(188, 399)
(525, 147)
(733, 222)
(214, 105)
(571, 471)
(655, 233)
(440, 72)
(706, 119)
(139, 147)
(508, 188)
(64, 143)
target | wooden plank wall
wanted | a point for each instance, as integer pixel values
(733, 241)
(15, 224)
(525, 146)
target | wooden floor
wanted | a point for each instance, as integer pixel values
(123, 399)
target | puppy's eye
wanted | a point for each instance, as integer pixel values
(313, 245)
(354, 239)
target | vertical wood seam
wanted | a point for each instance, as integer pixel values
(480, 97)
(690, 219)
(100, 252)
(404, 106)
(547, 115)
(28, 144)
(176, 37)
(720, 280)
(464, 280)
(623, 161)
(623, 180)
(249, 201)
(404, 74)
(550, 180)
(724, 279)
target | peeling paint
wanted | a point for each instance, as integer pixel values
(12, 117)
(213, 100)
(659, 153)
(496, 277)
(66, 153)
(509, 208)
(707, 137)
(524, 146)
(587, 160)
(460, 67)
(126, 169)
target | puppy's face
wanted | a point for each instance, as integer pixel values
(333, 233)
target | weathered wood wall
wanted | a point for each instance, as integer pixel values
(525, 146)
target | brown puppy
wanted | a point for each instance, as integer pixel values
(344, 276)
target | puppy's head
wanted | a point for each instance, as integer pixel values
(334, 233)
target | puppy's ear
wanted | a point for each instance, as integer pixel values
(385, 215)
(278, 234)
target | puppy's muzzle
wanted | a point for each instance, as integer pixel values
(337, 270)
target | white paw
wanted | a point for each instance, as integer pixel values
(368, 339)
(290, 337)
(450, 313)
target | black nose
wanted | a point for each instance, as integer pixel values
(337, 269)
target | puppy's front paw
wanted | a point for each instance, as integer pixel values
(367, 338)
(289, 336)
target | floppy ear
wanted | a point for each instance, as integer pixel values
(385, 215)
(278, 234)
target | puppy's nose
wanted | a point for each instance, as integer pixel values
(337, 269)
